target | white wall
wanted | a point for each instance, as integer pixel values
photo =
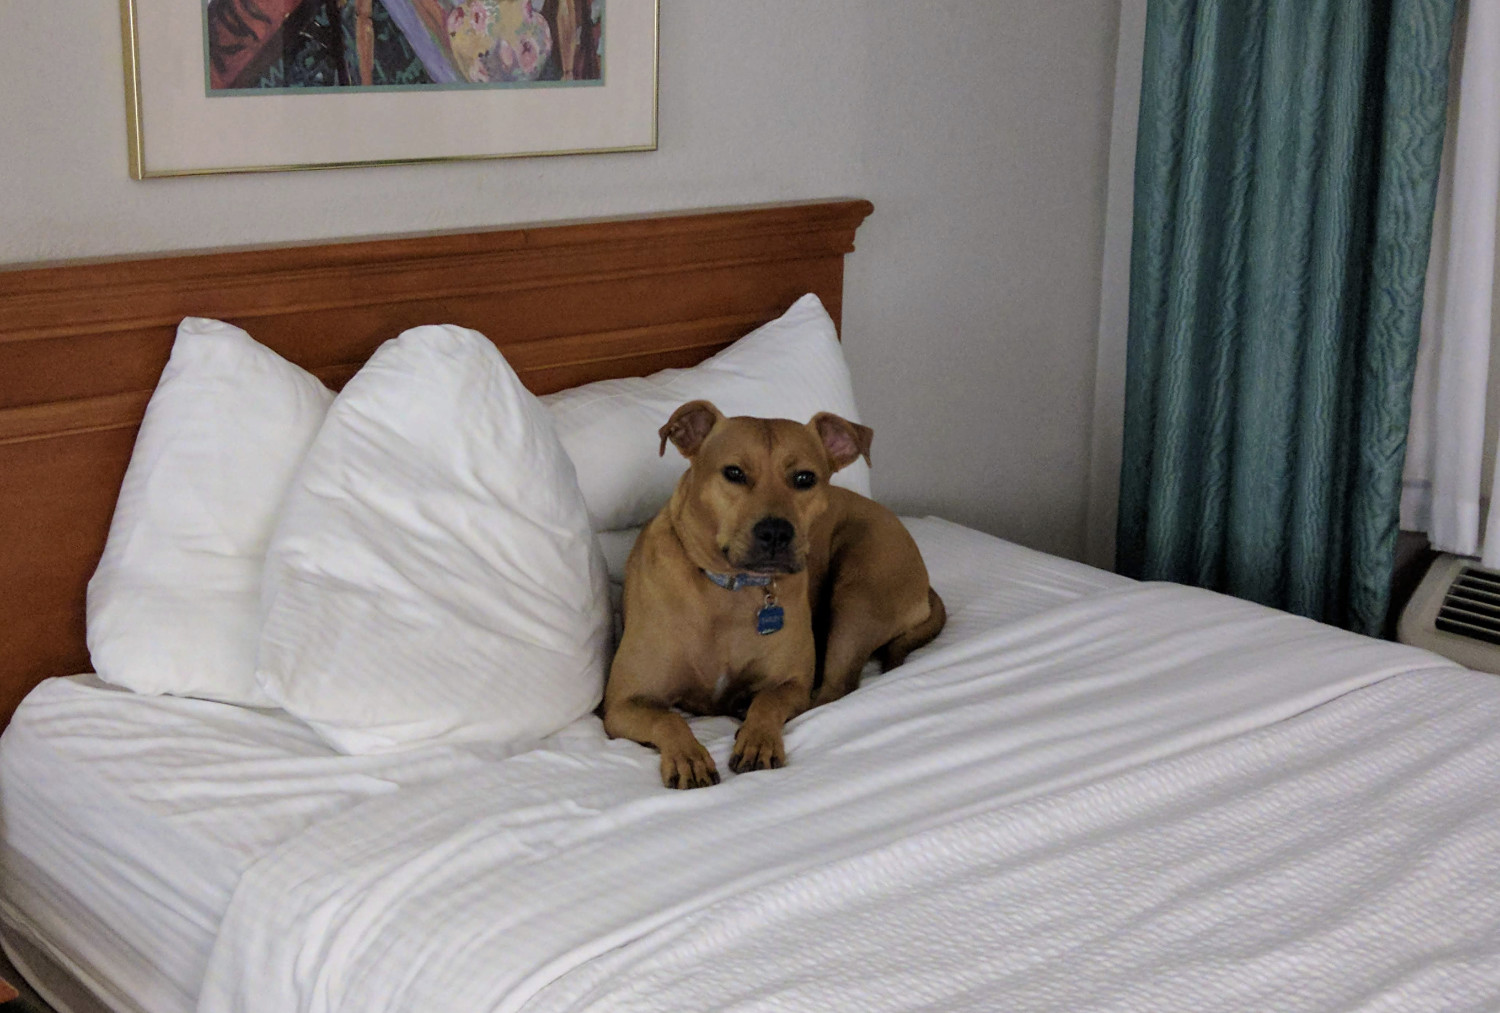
(1114, 291)
(980, 129)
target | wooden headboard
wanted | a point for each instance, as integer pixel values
(82, 345)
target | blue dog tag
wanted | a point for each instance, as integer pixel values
(769, 619)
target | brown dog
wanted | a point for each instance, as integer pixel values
(757, 578)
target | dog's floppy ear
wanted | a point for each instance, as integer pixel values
(688, 427)
(845, 441)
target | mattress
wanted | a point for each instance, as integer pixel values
(130, 821)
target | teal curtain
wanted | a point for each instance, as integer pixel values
(1286, 168)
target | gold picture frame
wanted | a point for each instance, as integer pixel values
(182, 120)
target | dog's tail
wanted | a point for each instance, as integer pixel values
(895, 652)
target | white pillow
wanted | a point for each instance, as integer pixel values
(793, 368)
(174, 606)
(616, 546)
(433, 575)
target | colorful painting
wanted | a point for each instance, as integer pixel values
(270, 85)
(272, 45)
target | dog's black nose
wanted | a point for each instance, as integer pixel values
(772, 535)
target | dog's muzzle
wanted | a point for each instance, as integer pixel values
(772, 547)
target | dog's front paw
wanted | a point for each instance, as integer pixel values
(757, 749)
(689, 767)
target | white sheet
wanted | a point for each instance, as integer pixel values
(1342, 860)
(1147, 797)
(128, 820)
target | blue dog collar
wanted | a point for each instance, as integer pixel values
(735, 581)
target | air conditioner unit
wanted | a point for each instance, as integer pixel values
(1455, 611)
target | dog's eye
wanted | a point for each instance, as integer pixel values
(735, 475)
(804, 480)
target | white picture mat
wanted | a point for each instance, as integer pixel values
(184, 129)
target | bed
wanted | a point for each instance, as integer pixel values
(1088, 793)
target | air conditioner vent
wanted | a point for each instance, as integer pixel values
(1456, 612)
(1471, 608)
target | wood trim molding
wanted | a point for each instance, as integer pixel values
(67, 418)
(52, 301)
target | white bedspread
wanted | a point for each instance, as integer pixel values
(128, 819)
(1146, 798)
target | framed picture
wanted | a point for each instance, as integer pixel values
(260, 85)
